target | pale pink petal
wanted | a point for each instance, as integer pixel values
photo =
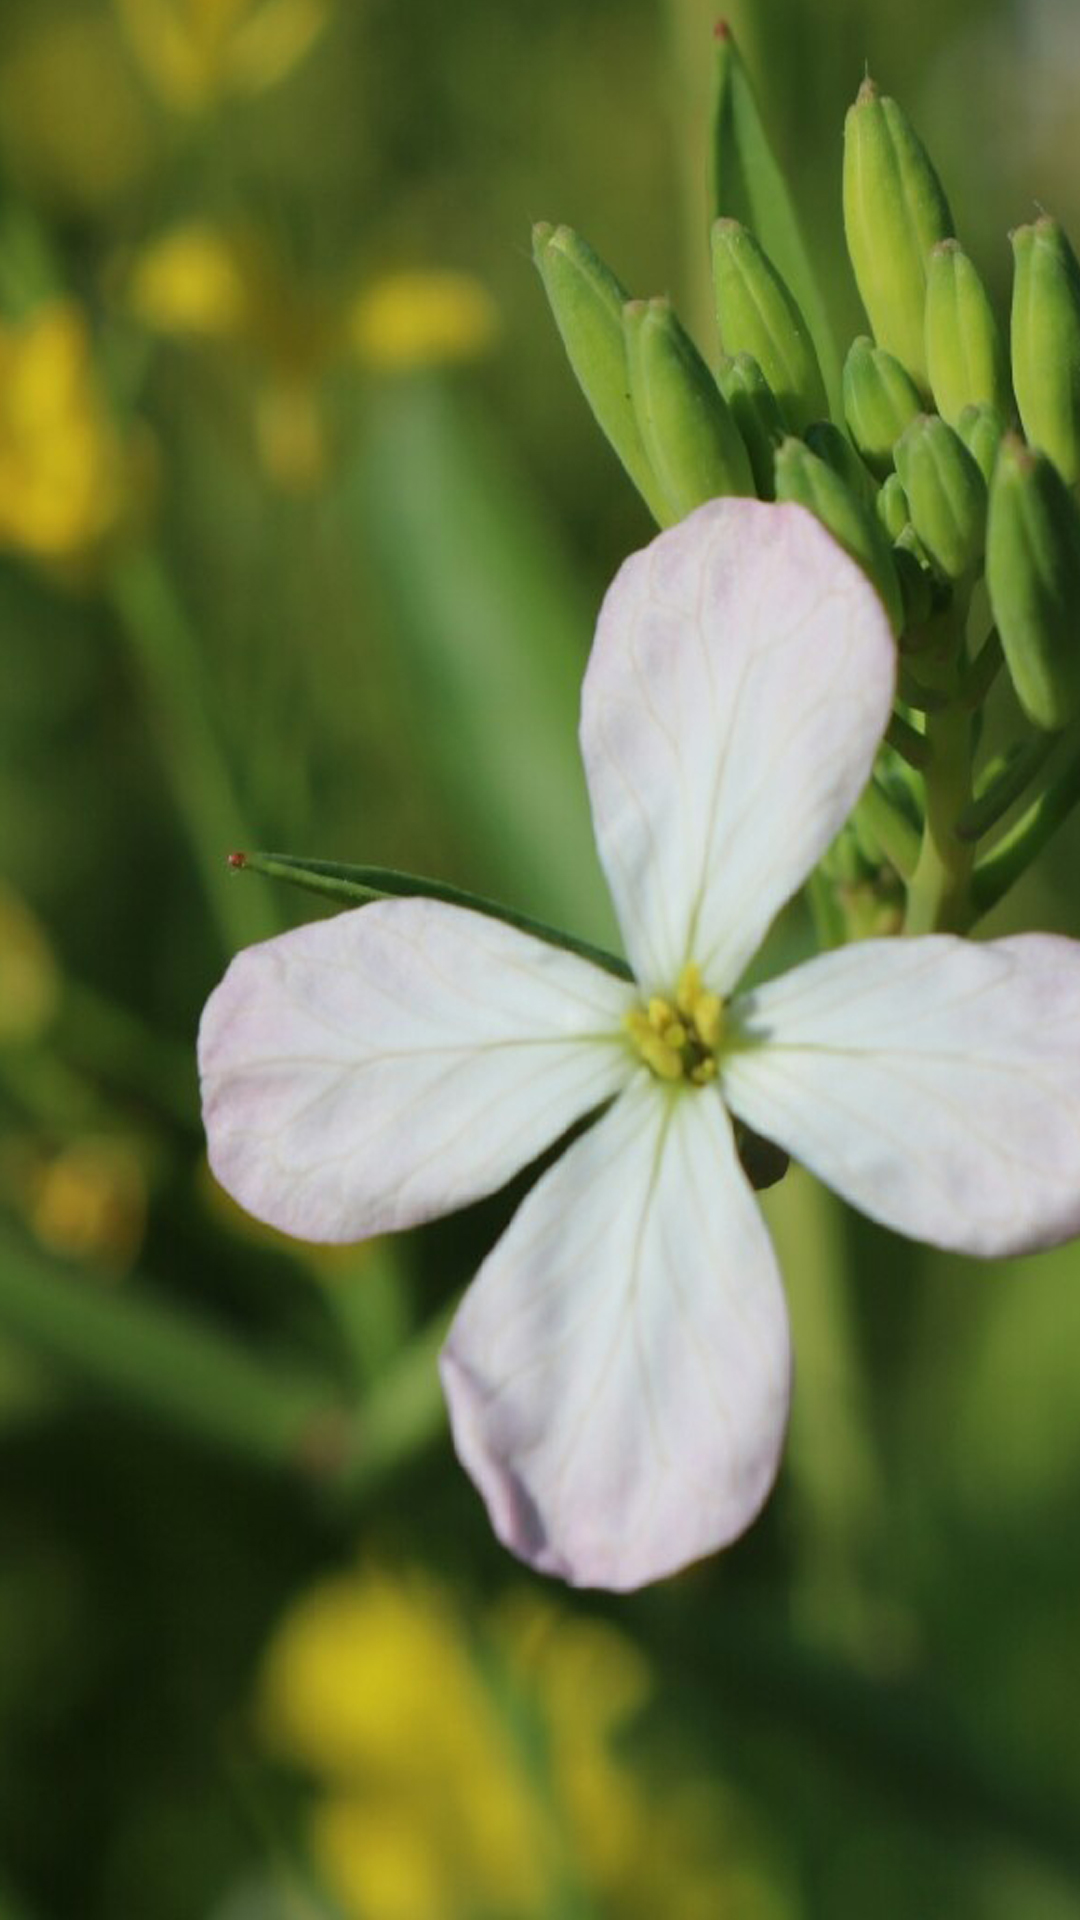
(618, 1374)
(935, 1083)
(370, 1071)
(739, 685)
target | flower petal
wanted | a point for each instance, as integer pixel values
(373, 1070)
(740, 682)
(618, 1374)
(935, 1083)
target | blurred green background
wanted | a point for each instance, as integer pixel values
(304, 526)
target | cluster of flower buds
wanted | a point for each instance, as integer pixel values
(937, 456)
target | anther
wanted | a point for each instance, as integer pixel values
(708, 1018)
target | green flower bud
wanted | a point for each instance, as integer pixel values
(880, 401)
(694, 447)
(587, 302)
(894, 211)
(946, 494)
(892, 506)
(804, 478)
(748, 185)
(1033, 573)
(757, 315)
(965, 352)
(1046, 341)
(980, 429)
(756, 413)
(834, 447)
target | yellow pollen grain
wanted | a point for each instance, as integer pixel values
(705, 1071)
(675, 1035)
(661, 1013)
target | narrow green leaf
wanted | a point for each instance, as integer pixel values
(353, 886)
(492, 627)
(142, 1352)
(746, 183)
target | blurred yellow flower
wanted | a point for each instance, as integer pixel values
(29, 975)
(195, 51)
(475, 1769)
(198, 281)
(63, 468)
(421, 319)
(73, 126)
(203, 283)
(86, 1201)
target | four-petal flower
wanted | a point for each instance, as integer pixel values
(618, 1374)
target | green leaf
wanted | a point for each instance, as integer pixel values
(746, 184)
(494, 630)
(357, 886)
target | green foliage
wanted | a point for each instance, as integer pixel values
(346, 606)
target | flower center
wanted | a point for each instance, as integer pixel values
(678, 1038)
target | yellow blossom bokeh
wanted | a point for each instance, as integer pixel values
(87, 1201)
(464, 1769)
(205, 283)
(65, 473)
(195, 51)
(29, 974)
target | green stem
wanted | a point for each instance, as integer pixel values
(141, 1352)
(939, 890)
(167, 657)
(899, 839)
(400, 1417)
(908, 742)
(979, 676)
(922, 699)
(146, 1354)
(359, 886)
(1005, 788)
(825, 911)
(1025, 840)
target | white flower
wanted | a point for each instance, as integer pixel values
(618, 1374)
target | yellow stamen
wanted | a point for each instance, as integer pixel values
(709, 1018)
(663, 1060)
(677, 1038)
(688, 989)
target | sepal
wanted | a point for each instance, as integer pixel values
(1046, 341)
(965, 353)
(946, 494)
(587, 301)
(808, 481)
(1033, 574)
(757, 314)
(880, 401)
(895, 211)
(756, 413)
(694, 447)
